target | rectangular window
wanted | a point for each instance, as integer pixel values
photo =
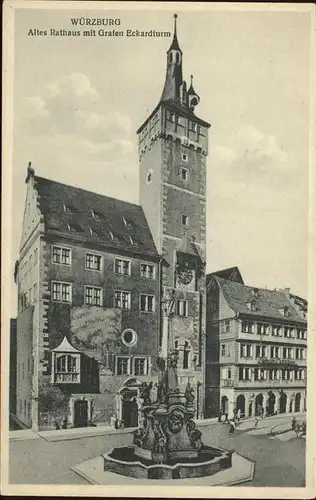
(184, 157)
(147, 303)
(93, 261)
(185, 220)
(123, 365)
(93, 296)
(122, 300)
(122, 266)
(61, 255)
(263, 329)
(61, 291)
(244, 373)
(34, 292)
(260, 374)
(274, 352)
(246, 350)
(35, 256)
(227, 326)
(223, 350)
(147, 271)
(184, 174)
(140, 366)
(247, 327)
(276, 331)
(182, 308)
(193, 126)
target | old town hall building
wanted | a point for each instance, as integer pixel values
(93, 272)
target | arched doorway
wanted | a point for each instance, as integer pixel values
(240, 403)
(81, 413)
(258, 404)
(224, 405)
(297, 401)
(283, 400)
(128, 402)
(270, 404)
(130, 412)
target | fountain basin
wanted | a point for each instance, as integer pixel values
(124, 461)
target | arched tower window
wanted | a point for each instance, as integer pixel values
(177, 57)
(170, 57)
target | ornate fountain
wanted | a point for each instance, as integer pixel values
(167, 444)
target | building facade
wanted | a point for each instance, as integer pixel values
(173, 147)
(93, 273)
(256, 348)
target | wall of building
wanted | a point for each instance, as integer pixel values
(13, 365)
(25, 365)
(144, 323)
(150, 160)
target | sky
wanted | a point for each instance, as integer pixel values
(78, 102)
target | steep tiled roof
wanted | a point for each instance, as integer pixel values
(92, 217)
(268, 303)
(231, 273)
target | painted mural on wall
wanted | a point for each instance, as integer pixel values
(97, 330)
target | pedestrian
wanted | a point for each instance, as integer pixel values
(238, 414)
(304, 428)
(261, 412)
(256, 423)
(232, 427)
(226, 417)
(293, 423)
(116, 423)
(219, 417)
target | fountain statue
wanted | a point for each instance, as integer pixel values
(167, 444)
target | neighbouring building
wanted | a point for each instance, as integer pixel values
(256, 348)
(93, 272)
(13, 365)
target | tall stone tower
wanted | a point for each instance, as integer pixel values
(173, 146)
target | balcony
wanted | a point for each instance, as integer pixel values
(278, 363)
(268, 384)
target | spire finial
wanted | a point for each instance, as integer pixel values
(191, 79)
(175, 24)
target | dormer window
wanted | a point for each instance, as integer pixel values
(255, 292)
(284, 311)
(124, 220)
(95, 215)
(74, 228)
(252, 305)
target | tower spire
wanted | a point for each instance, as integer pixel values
(175, 44)
(174, 80)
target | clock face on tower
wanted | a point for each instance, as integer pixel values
(185, 275)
